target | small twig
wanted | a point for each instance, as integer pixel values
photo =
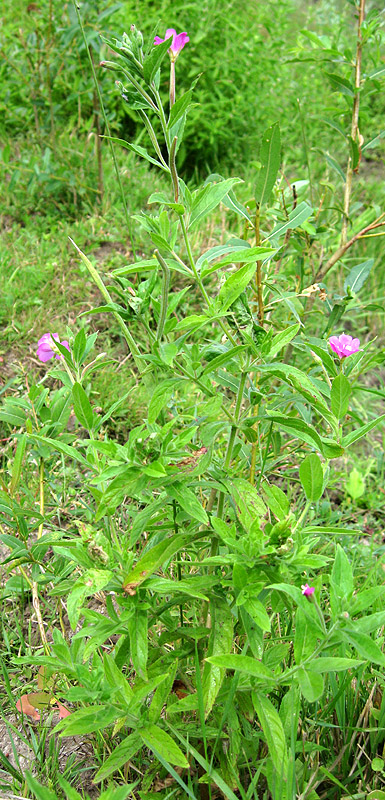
(354, 128)
(322, 271)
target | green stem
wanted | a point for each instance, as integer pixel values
(199, 279)
(162, 115)
(173, 171)
(302, 515)
(178, 565)
(172, 83)
(164, 298)
(230, 446)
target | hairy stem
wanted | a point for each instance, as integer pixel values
(172, 83)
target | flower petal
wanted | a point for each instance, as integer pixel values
(179, 42)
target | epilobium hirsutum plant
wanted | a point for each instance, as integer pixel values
(199, 532)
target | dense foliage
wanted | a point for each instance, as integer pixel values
(204, 601)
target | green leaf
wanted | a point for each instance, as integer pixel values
(354, 153)
(306, 433)
(276, 499)
(224, 358)
(273, 732)
(231, 202)
(354, 436)
(17, 463)
(161, 694)
(305, 639)
(82, 407)
(159, 399)
(120, 756)
(335, 165)
(209, 198)
(135, 148)
(57, 444)
(340, 395)
(232, 246)
(154, 558)
(116, 679)
(188, 501)
(249, 505)
(358, 275)
(41, 792)
(331, 664)
(138, 633)
(158, 740)
(281, 339)
(269, 156)
(258, 613)
(340, 84)
(365, 646)
(87, 720)
(235, 285)
(154, 60)
(355, 485)
(373, 142)
(341, 579)
(311, 684)
(246, 664)
(246, 255)
(179, 108)
(312, 477)
(221, 642)
(296, 218)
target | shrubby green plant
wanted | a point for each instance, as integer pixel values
(231, 615)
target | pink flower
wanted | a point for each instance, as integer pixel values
(344, 345)
(45, 347)
(307, 590)
(178, 42)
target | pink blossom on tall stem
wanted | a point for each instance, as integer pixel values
(344, 345)
(177, 44)
(46, 345)
(307, 590)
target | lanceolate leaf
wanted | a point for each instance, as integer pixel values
(140, 151)
(120, 756)
(156, 738)
(153, 559)
(269, 157)
(296, 218)
(209, 198)
(221, 641)
(354, 436)
(273, 732)
(311, 476)
(82, 406)
(235, 285)
(154, 60)
(246, 664)
(358, 275)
